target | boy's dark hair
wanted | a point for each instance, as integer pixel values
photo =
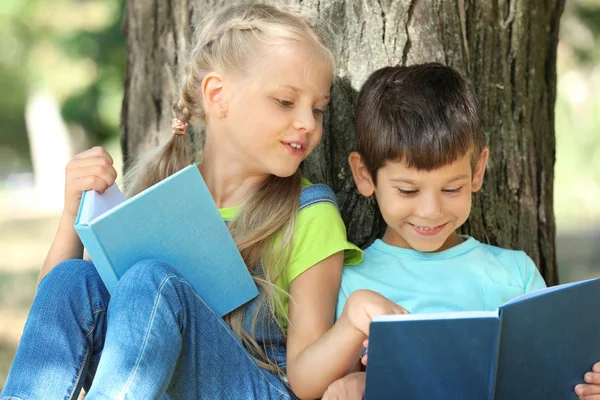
(425, 115)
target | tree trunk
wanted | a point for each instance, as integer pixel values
(506, 48)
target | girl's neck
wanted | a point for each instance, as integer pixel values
(229, 181)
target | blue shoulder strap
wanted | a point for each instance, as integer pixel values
(315, 194)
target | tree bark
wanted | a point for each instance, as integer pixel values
(507, 48)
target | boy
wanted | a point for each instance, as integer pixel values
(421, 152)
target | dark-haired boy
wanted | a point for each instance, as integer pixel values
(421, 152)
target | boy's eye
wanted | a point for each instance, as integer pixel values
(285, 103)
(453, 191)
(405, 192)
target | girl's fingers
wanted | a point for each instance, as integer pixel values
(364, 358)
(97, 151)
(107, 175)
(92, 166)
(90, 182)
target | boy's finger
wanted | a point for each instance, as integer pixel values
(596, 367)
(588, 391)
(363, 360)
(591, 397)
(592, 377)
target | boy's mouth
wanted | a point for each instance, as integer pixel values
(427, 230)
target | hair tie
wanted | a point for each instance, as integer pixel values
(178, 127)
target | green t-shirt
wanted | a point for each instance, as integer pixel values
(320, 233)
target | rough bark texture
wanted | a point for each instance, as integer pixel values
(506, 48)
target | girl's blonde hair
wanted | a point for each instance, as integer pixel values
(229, 41)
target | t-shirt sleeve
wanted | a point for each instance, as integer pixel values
(320, 233)
(531, 275)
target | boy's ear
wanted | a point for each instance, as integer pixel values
(479, 171)
(215, 102)
(361, 175)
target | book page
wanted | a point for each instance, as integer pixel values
(95, 204)
(430, 316)
(546, 290)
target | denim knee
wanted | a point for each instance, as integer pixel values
(147, 273)
(73, 281)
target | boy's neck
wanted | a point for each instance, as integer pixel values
(453, 240)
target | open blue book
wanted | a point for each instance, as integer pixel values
(175, 221)
(537, 346)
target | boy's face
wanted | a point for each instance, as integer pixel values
(422, 209)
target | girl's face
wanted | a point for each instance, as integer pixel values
(274, 116)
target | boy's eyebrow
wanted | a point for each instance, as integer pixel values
(457, 177)
(412, 182)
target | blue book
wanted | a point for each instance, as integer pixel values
(537, 346)
(175, 221)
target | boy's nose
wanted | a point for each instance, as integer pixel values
(430, 207)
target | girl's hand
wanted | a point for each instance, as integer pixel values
(590, 390)
(350, 387)
(362, 305)
(91, 169)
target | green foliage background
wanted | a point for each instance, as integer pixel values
(75, 50)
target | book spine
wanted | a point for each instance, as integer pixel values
(495, 358)
(100, 259)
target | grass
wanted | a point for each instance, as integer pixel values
(23, 245)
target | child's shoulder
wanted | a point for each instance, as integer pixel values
(319, 226)
(503, 255)
(516, 262)
(316, 194)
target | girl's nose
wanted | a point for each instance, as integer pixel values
(305, 121)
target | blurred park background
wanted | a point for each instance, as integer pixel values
(62, 66)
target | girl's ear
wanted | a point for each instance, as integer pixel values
(479, 171)
(361, 175)
(213, 93)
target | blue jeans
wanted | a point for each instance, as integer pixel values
(156, 338)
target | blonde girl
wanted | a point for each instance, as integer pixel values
(258, 79)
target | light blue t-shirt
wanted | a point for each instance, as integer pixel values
(469, 277)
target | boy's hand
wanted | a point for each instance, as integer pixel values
(91, 169)
(362, 305)
(590, 390)
(350, 387)
(365, 357)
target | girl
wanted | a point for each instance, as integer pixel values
(258, 78)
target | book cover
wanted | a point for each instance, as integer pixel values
(175, 221)
(549, 340)
(537, 346)
(442, 359)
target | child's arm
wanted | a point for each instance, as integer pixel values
(91, 169)
(590, 390)
(318, 351)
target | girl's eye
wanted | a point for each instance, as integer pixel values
(404, 192)
(318, 112)
(285, 103)
(453, 191)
